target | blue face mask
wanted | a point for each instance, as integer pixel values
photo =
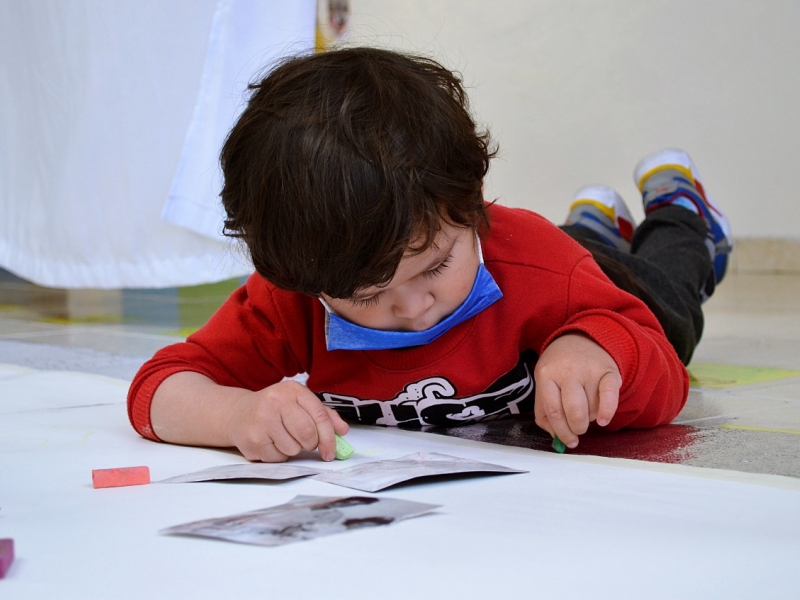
(341, 334)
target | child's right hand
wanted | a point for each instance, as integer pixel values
(280, 421)
(268, 425)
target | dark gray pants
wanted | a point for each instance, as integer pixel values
(669, 268)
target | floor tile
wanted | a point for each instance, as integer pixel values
(752, 351)
(127, 343)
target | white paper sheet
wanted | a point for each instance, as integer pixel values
(24, 390)
(572, 527)
(381, 474)
(279, 471)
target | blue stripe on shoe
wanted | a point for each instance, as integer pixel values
(613, 231)
(716, 233)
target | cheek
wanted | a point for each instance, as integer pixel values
(373, 317)
(465, 288)
(458, 289)
(376, 317)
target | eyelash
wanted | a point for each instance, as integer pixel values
(372, 300)
(438, 270)
(364, 302)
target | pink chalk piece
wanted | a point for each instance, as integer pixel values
(103, 478)
(6, 556)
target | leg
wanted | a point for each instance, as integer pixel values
(676, 256)
(669, 178)
(666, 269)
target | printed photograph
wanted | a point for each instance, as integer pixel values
(381, 474)
(304, 518)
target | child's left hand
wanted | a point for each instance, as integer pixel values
(577, 382)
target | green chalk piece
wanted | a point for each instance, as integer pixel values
(558, 446)
(343, 449)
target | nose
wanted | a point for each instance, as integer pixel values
(412, 305)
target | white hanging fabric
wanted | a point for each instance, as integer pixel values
(109, 109)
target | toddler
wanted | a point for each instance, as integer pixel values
(354, 178)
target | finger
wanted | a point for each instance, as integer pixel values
(265, 453)
(271, 454)
(576, 407)
(301, 428)
(323, 424)
(284, 439)
(541, 419)
(608, 389)
(340, 426)
(539, 413)
(266, 440)
(554, 413)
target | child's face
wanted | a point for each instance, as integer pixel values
(425, 289)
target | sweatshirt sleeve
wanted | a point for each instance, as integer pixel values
(655, 384)
(245, 344)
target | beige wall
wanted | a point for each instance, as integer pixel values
(576, 91)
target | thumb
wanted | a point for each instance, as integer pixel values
(608, 391)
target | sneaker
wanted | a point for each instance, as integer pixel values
(670, 177)
(600, 208)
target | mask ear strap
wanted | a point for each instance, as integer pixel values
(326, 305)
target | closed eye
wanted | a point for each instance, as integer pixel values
(369, 301)
(438, 269)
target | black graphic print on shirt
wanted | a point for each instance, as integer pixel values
(434, 401)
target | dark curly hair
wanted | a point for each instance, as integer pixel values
(342, 160)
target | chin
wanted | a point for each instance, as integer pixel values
(421, 325)
(406, 328)
(424, 326)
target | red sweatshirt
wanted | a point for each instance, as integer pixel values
(480, 369)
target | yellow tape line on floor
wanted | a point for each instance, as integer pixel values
(751, 428)
(723, 376)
